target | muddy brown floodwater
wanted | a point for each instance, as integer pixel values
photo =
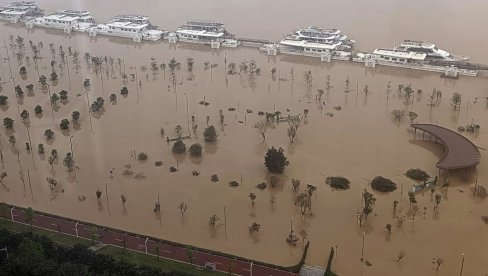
(359, 142)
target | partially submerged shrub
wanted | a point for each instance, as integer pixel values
(142, 156)
(179, 147)
(196, 150)
(234, 184)
(338, 182)
(382, 184)
(214, 178)
(262, 186)
(417, 174)
(158, 163)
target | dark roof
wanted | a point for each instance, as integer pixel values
(459, 151)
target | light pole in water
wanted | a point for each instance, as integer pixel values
(225, 222)
(137, 83)
(187, 115)
(291, 226)
(362, 249)
(462, 265)
(89, 113)
(72, 154)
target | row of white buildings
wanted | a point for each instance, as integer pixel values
(327, 44)
(135, 27)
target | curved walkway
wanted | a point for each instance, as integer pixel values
(459, 151)
(147, 245)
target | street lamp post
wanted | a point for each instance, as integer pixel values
(362, 249)
(187, 115)
(145, 244)
(50, 101)
(72, 154)
(76, 230)
(462, 265)
(69, 76)
(225, 222)
(137, 82)
(89, 113)
(291, 226)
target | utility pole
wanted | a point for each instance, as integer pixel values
(30, 144)
(49, 92)
(362, 249)
(225, 222)
(89, 113)
(69, 76)
(106, 195)
(30, 185)
(72, 154)
(187, 115)
(462, 265)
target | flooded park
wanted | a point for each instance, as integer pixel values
(347, 120)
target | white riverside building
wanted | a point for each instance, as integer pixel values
(409, 60)
(430, 50)
(328, 44)
(326, 51)
(204, 32)
(19, 11)
(67, 20)
(129, 26)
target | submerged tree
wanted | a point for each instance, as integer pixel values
(252, 197)
(179, 147)
(275, 160)
(68, 161)
(75, 116)
(456, 101)
(398, 114)
(196, 150)
(307, 75)
(49, 134)
(254, 228)
(38, 110)
(212, 221)
(64, 125)
(438, 199)
(182, 207)
(412, 116)
(411, 198)
(189, 62)
(123, 198)
(262, 128)
(8, 123)
(210, 134)
(368, 203)
(304, 201)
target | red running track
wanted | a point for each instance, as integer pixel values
(146, 245)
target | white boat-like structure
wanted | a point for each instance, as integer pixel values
(410, 60)
(430, 50)
(326, 44)
(66, 20)
(20, 11)
(318, 35)
(136, 27)
(204, 32)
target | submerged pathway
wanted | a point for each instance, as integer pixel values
(147, 245)
(459, 151)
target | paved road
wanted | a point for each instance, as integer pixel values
(147, 245)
